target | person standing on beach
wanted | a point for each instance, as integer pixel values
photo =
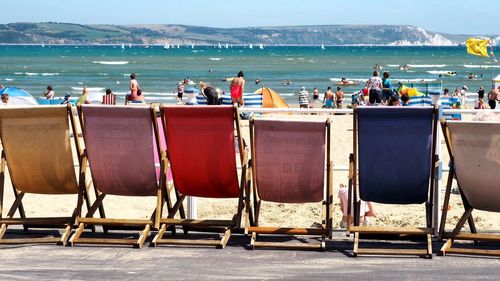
(339, 97)
(315, 95)
(180, 92)
(49, 94)
(328, 98)
(463, 96)
(493, 97)
(386, 87)
(134, 86)
(374, 86)
(480, 93)
(237, 89)
(304, 99)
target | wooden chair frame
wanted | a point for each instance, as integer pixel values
(227, 227)
(456, 234)
(67, 223)
(326, 225)
(144, 225)
(403, 232)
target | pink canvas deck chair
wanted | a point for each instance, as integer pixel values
(120, 145)
(202, 155)
(37, 149)
(109, 99)
(291, 164)
(474, 149)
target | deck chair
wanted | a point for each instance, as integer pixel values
(109, 99)
(202, 155)
(291, 164)
(37, 150)
(474, 163)
(394, 150)
(120, 143)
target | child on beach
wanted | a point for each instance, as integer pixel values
(366, 208)
(49, 94)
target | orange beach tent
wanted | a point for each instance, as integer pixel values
(271, 99)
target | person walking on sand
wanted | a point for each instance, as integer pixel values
(304, 99)
(237, 89)
(493, 96)
(134, 86)
(328, 98)
(339, 97)
(49, 94)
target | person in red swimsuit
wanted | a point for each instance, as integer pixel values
(237, 89)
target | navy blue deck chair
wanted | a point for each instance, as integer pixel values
(394, 162)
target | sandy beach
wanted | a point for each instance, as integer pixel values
(271, 213)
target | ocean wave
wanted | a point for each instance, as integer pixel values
(18, 73)
(425, 80)
(111, 62)
(393, 65)
(287, 94)
(9, 79)
(50, 74)
(32, 73)
(437, 72)
(215, 59)
(349, 79)
(427, 65)
(103, 74)
(90, 89)
(480, 66)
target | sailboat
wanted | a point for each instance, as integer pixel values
(227, 46)
(250, 46)
(43, 45)
(322, 46)
(192, 46)
(129, 45)
(261, 46)
(123, 46)
(219, 46)
(178, 46)
(166, 46)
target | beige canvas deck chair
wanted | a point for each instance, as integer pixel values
(291, 164)
(120, 143)
(394, 152)
(37, 150)
(202, 155)
(474, 149)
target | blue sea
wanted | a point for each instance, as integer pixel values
(68, 68)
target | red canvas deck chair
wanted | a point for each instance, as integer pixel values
(202, 155)
(474, 149)
(291, 164)
(109, 99)
(120, 145)
(37, 150)
(394, 153)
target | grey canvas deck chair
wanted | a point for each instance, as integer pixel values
(36, 147)
(202, 155)
(291, 164)
(394, 154)
(120, 143)
(474, 149)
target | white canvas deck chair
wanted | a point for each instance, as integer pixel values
(474, 149)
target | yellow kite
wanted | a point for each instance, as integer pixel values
(477, 47)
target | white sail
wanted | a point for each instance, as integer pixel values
(43, 45)
(219, 46)
(129, 45)
(227, 46)
(250, 46)
(261, 46)
(166, 46)
(123, 46)
(322, 46)
(178, 46)
(192, 46)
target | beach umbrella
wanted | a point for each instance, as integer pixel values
(18, 96)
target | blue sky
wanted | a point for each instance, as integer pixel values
(451, 16)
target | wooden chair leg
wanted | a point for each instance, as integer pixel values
(356, 244)
(253, 240)
(160, 234)
(77, 234)
(65, 236)
(445, 247)
(143, 236)
(3, 229)
(224, 239)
